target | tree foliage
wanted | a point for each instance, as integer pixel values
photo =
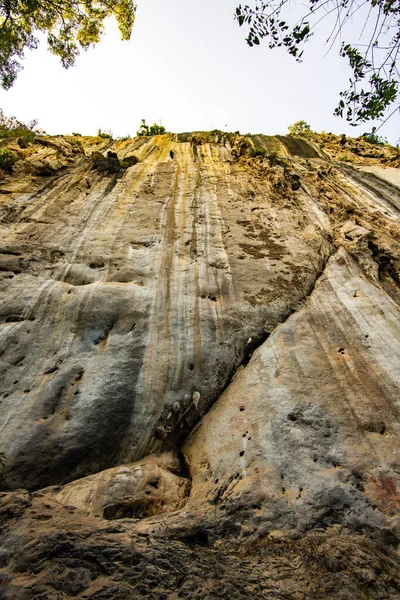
(154, 129)
(374, 59)
(70, 26)
(299, 128)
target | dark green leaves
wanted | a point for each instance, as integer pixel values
(269, 25)
(154, 129)
(364, 105)
(374, 61)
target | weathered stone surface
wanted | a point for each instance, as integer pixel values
(108, 164)
(177, 264)
(325, 386)
(206, 346)
(57, 552)
(137, 490)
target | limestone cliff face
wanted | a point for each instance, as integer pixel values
(200, 342)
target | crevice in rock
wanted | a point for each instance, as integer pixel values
(174, 438)
(388, 275)
(252, 345)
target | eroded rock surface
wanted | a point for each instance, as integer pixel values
(204, 341)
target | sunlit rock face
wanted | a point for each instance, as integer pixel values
(200, 341)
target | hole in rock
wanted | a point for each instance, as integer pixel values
(124, 511)
(216, 481)
(200, 538)
(241, 408)
(213, 298)
(292, 417)
(155, 483)
(241, 453)
(341, 350)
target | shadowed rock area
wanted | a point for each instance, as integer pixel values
(199, 368)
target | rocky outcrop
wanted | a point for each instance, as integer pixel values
(202, 347)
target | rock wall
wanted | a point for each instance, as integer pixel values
(200, 341)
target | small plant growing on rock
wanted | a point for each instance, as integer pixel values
(253, 152)
(7, 159)
(128, 161)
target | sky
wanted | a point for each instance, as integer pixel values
(187, 66)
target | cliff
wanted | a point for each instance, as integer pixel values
(200, 342)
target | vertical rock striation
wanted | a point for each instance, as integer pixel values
(200, 341)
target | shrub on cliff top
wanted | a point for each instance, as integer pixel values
(107, 135)
(154, 129)
(12, 127)
(372, 138)
(299, 128)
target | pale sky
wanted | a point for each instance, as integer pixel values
(188, 66)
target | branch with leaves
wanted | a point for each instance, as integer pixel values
(374, 59)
